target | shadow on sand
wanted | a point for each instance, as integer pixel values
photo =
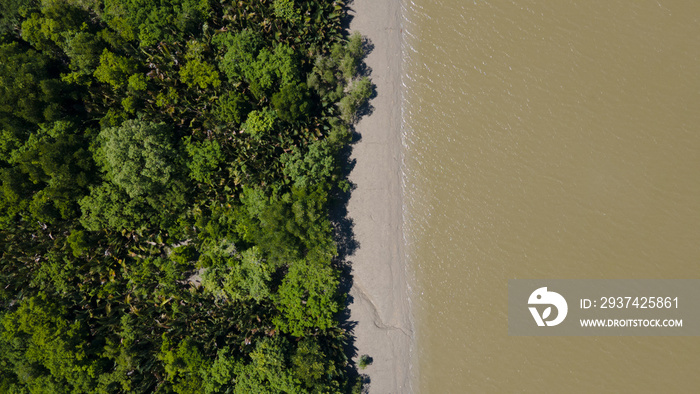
(343, 225)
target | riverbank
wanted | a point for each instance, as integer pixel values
(380, 304)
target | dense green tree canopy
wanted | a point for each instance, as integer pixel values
(166, 172)
(138, 157)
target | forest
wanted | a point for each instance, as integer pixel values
(166, 172)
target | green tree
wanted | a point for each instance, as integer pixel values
(314, 369)
(263, 69)
(308, 298)
(56, 160)
(15, 195)
(286, 10)
(260, 123)
(268, 371)
(154, 22)
(247, 278)
(358, 94)
(84, 50)
(221, 374)
(184, 365)
(114, 69)
(137, 82)
(241, 51)
(198, 73)
(348, 57)
(138, 156)
(23, 83)
(232, 107)
(78, 242)
(205, 158)
(315, 167)
(285, 227)
(292, 102)
(47, 352)
(13, 10)
(334, 71)
(108, 206)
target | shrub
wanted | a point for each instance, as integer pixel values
(364, 361)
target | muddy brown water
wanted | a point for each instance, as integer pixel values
(548, 139)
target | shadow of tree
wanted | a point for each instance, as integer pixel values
(343, 225)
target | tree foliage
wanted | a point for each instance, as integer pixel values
(37, 337)
(114, 69)
(247, 60)
(292, 102)
(166, 172)
(138, 157)
(308, 297)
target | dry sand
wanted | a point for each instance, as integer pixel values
(380, 305)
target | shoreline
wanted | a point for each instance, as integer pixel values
(380, 305)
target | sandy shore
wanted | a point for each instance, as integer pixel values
(380, 293)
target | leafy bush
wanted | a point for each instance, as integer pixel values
(364, 361)
(358, 95)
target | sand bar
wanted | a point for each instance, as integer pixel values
(380, 304)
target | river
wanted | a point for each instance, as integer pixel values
(548, 139)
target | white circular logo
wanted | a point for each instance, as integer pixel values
(543, 297)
